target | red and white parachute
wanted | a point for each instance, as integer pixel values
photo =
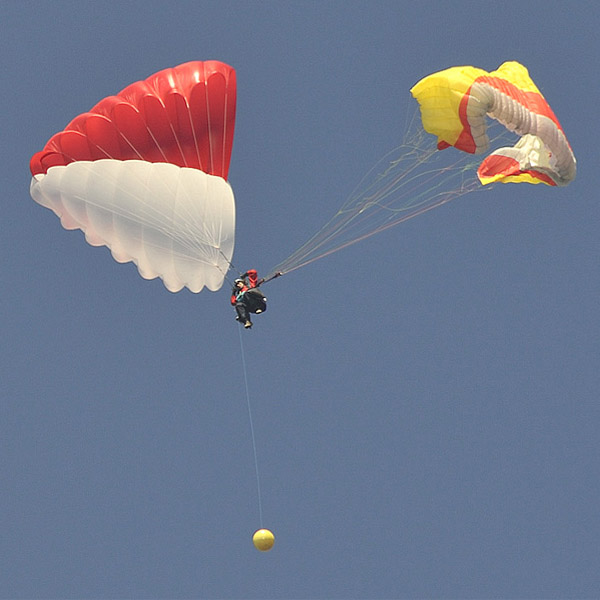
(145, 174)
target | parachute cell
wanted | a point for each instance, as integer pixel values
(144, 173)
(454, 104)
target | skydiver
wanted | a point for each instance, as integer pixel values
(247, 298)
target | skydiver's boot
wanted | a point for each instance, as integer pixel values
(248, 324)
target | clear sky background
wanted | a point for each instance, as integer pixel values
(425, 402)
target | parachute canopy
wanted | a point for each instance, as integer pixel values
(455, 102)
(144, 173)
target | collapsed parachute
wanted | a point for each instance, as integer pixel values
(145, 174)
(416, 177)
(454, 104)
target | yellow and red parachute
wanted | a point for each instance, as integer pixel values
(454, 104)
(144, 172)
(415, 177)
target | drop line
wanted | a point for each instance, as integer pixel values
(260, 511)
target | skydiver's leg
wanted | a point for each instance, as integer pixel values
(248, 322)
(243, 313)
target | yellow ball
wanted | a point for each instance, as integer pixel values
(263, 540)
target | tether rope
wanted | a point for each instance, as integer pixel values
(260, 512)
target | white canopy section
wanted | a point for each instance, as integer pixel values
(173, 222)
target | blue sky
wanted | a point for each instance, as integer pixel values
(425, 402)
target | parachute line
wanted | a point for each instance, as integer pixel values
(408, 181)
(260, 510)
